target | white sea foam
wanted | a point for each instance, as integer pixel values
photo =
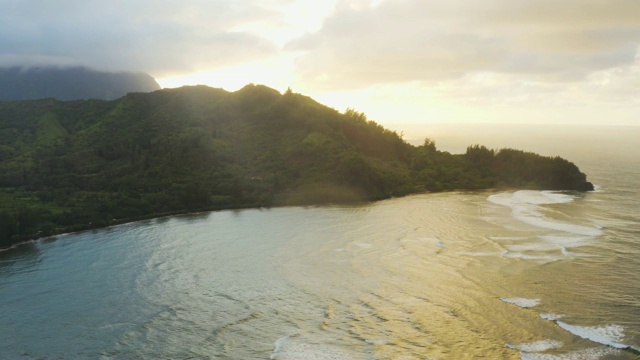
(526, 197)
(278, 345)
(535, 246)
(439, 247)
(522, 302)
(567, 241)
(363, 245)
(292, 347)
(376, 342)
(502, 238)
(610, 335)
(537, 346)
(526, 207)
(541, 197)
(505, 199)
(480, 253)
(530, 217)
(585, 354)
(551, 317)
(523, 256)
(35, 241)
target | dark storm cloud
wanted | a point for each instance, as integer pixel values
(159, 37)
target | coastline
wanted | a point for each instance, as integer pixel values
(76, 229)
(31, 239)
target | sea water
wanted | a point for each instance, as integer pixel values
(494, 274)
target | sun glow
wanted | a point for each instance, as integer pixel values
(276, 72)
(299, 18)
(475, 96)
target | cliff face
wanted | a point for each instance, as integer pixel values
(70, 83)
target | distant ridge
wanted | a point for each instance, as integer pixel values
(70, 83)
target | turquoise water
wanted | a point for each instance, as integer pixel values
(515, 274)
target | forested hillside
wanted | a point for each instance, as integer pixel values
(79, 164)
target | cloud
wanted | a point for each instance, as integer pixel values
(160, 37)
(364, 43)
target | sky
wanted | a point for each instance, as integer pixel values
(402, 62)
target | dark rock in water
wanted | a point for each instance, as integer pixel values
(70, 83)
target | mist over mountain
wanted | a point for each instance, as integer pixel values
(70, 83)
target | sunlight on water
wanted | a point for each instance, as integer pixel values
(508, 275)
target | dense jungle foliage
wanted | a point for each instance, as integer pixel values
(67, 166)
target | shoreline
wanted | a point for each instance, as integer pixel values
(119, 222)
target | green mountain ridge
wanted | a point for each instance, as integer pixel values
(74, 165)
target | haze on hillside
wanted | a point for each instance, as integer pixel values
(518, 62)
(70, 83)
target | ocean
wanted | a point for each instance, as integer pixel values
(512, 274)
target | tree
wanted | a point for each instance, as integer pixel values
(356, 115)
(479, 154)
(429, 145)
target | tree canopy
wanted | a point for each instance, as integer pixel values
(74, 165)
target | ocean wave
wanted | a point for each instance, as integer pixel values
(531, 197)
(526, 206)
(567, 241)
(610, 335)
(532, 246)
(293, 347)
(480, 253)
(522, 302)
(537, 346)
(584, 354)
(539, 258)
(503, 238)
(551, 317)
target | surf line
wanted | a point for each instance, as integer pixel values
(608, 335)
